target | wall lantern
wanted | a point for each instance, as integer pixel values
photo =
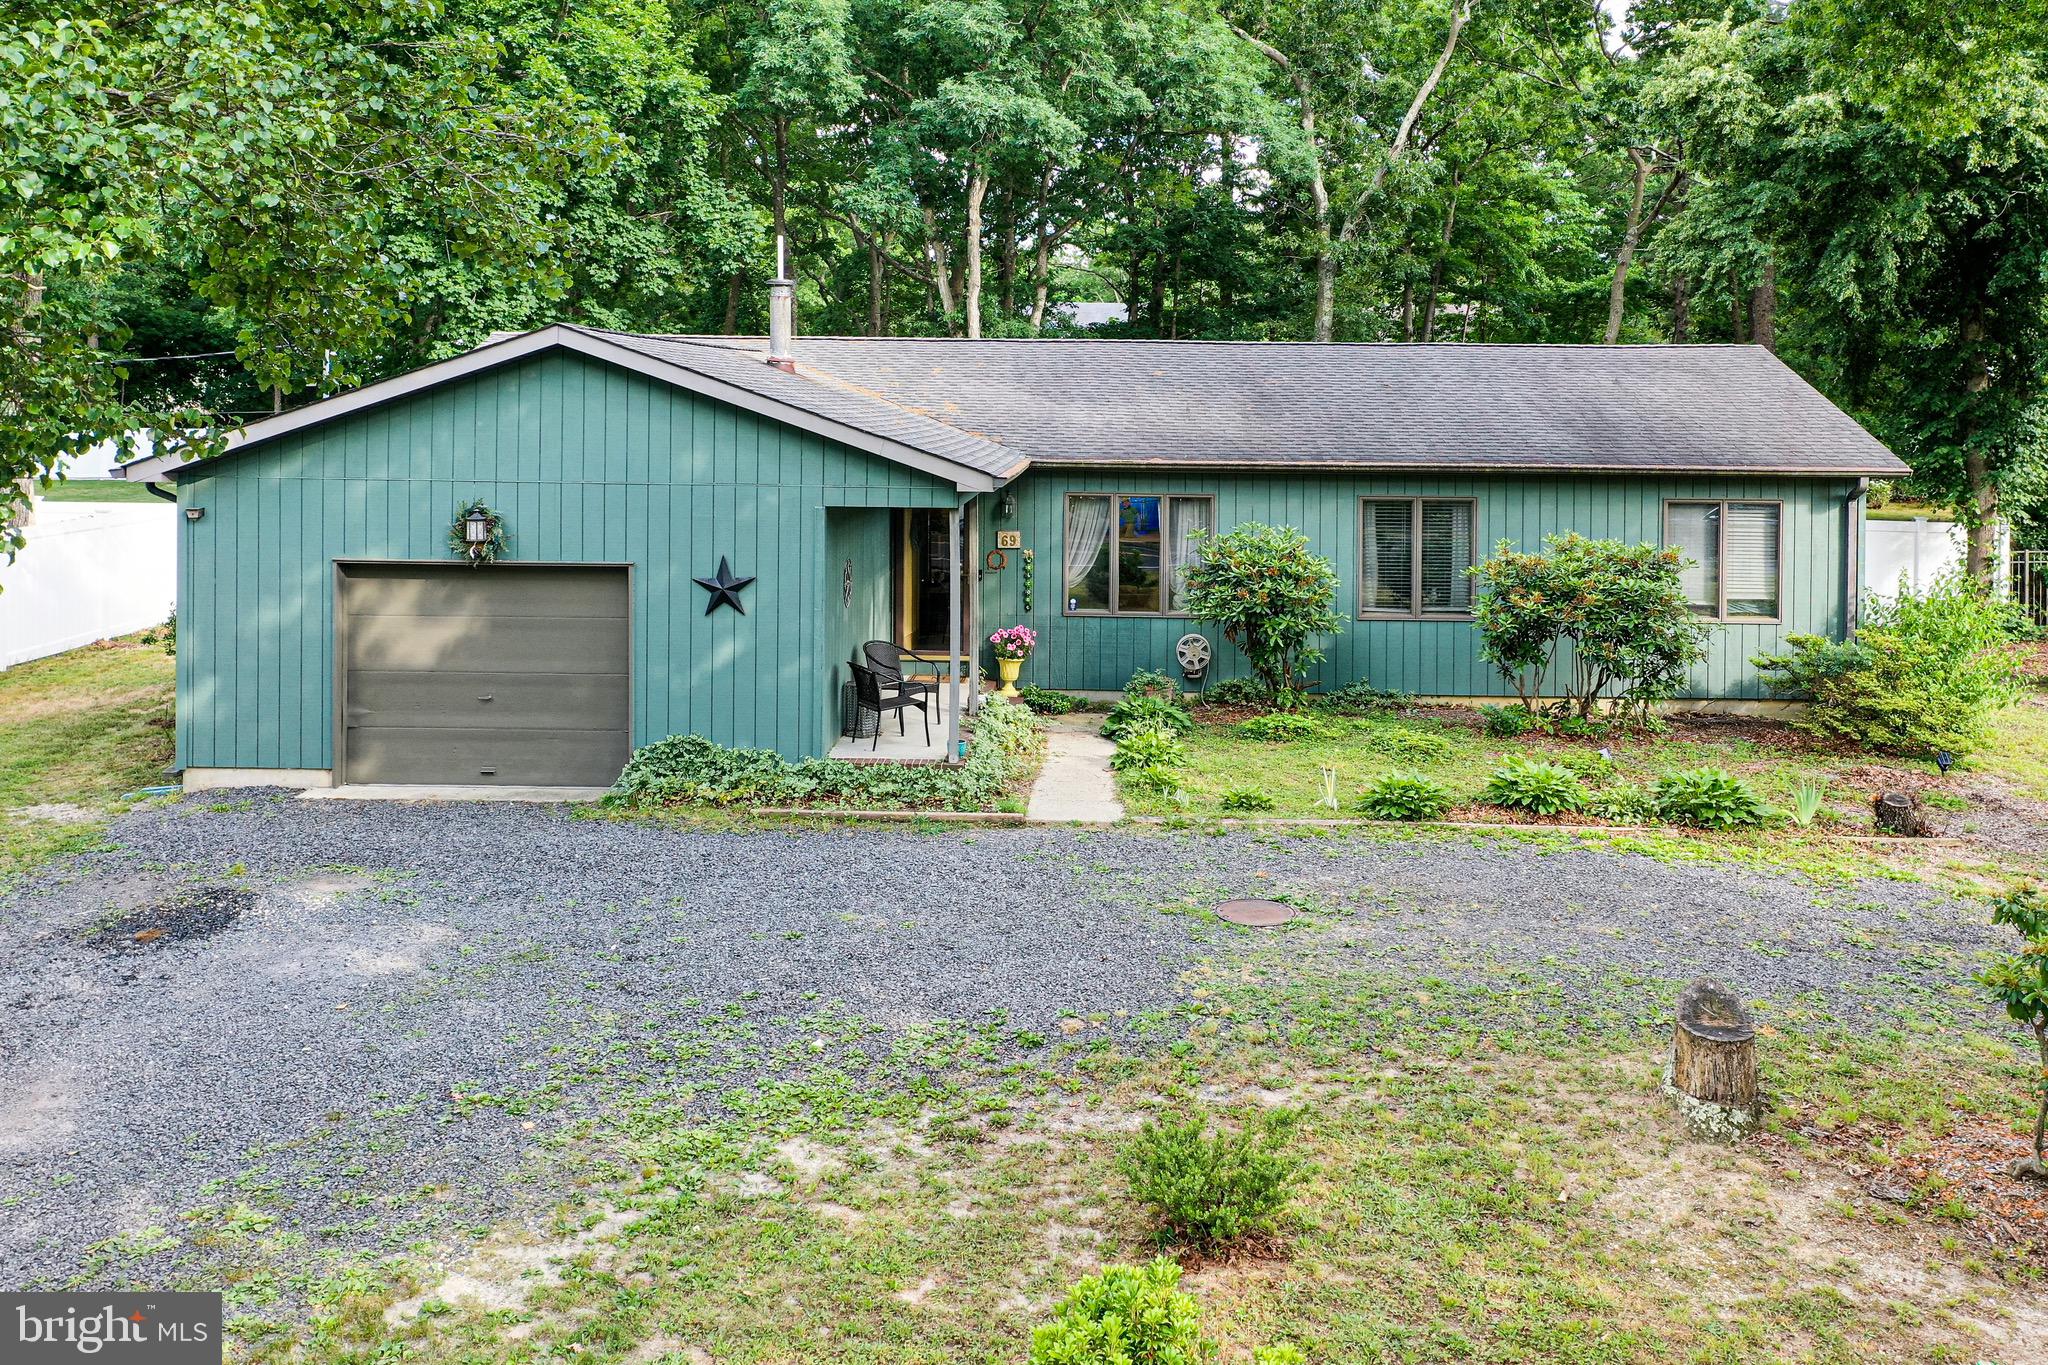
(1009, 505)
(478, 533)
(1944, 761)
(194, 513)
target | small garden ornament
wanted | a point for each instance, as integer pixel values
(1013, 645)
(2020, 982)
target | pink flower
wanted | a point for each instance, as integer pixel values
(1014, 642)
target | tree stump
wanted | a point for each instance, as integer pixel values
(1713, 1049)
(1902, 813)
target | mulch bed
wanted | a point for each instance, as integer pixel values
(1967, 1166)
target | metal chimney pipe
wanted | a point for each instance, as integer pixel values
(781, 315)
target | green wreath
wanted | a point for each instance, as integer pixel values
(495, 540)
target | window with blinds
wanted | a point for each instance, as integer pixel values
(1731, 549)
(1414, 554)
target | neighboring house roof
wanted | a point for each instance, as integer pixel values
(980, 411)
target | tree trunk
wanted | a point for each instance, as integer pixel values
(874, 287)
(1436, 266)
(977, 190)
(1158, 304)
(779, 189)
(1763, 307)
(1631, 233)
(1738, 314)
(1006, 262)
(942, 274)
(1713, 1048)
(1982, 552)
(1407, 308)
(1041, 279)
(732, 304)
(2039, 1165)
(1324, 325)
(1681, 309)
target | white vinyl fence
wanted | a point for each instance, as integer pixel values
(91, 571)
(1915, 552)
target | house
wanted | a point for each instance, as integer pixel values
(700, 531)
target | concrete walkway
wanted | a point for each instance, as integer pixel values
(1075, 786)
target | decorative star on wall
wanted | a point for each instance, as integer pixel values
(724, 589)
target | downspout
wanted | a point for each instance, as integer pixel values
(953, 527)
(1852, 574)
(157, 491)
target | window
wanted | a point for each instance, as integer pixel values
(1128, 554)
(1413, 554)
(1733, 549)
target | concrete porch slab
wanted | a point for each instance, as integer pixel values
(396, 791)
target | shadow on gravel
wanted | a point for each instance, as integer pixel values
(199, 913)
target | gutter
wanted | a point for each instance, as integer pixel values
(1852, 568)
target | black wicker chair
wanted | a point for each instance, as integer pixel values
(886, 659)
(869, 693)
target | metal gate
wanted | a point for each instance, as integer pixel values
(2030, 583)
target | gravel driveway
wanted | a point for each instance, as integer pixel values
(279, 1006)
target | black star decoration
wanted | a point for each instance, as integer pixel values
(724, 589)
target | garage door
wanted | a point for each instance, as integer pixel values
(503, 674)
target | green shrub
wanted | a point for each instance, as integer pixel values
(1280, 727)
(691, 768)
(1206, 1190)
(1617, 612)
(1361, 698)
(1125, 1315)
(1532, 785)
(1924, 673)
(1239, 692)
(1509, 722)
(1246, 798)
(1418, 746)
(1045, 701)
(1589, 766)
(1404, 796)
(1146, 712)
(1625, 803)
(1149, 747)
(1708, 798)
(1150, 682)
(1270, 594)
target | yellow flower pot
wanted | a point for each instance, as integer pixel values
(1009, 668)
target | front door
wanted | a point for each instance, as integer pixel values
(921, 589)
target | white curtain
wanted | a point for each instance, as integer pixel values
(1694, 530)
(1087, 532)
(1192, 519)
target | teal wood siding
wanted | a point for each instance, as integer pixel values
(858, 537)
(1431, 658)
(589, 464)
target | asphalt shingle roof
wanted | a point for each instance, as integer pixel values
(1736, 409)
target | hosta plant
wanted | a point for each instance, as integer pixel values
(1146, 712)
(1624, 803)
(1246, 798)
(1404, 796)
(1148, 747)
(1537, 787)
(1709, 798)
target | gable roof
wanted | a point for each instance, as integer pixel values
(1634, 409)
(862, 421)
(980, 412)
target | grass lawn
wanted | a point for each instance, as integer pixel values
(77, 731)
(1494, 1178)
(2007, 782)
(97, 490)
